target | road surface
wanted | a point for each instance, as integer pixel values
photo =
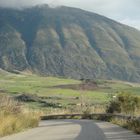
(75, 130)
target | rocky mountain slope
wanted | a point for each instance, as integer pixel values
(68, 42)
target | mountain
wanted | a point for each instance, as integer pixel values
(68, 42)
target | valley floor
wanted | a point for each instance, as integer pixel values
(56, 95)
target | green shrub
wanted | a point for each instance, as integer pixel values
(124, 103)
(114, 107)
(128, 103)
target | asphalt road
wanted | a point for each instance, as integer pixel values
(75, 130)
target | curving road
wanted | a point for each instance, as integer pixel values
(75, 130)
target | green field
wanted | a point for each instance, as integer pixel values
(48, 88)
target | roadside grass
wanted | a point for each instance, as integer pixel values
(13, 118)
(16, 123)
(132, 124)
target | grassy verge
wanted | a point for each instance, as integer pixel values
(129, 105)
(13, 118)
(133, 124)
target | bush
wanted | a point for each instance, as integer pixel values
(124, 103)
(114, 107)
(128, 103)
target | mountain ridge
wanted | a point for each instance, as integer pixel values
(68, 42)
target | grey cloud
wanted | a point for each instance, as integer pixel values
(20, 3)
(126, 11)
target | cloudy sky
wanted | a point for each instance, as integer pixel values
(125, 11)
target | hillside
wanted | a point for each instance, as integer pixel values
(68, 42)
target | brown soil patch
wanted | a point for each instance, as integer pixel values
(82, 86)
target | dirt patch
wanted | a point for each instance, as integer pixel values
(82, 86)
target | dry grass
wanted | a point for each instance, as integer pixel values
(119, 121)
(13, 118)
(133, 124)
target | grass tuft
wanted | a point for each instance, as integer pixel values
(13, 118)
